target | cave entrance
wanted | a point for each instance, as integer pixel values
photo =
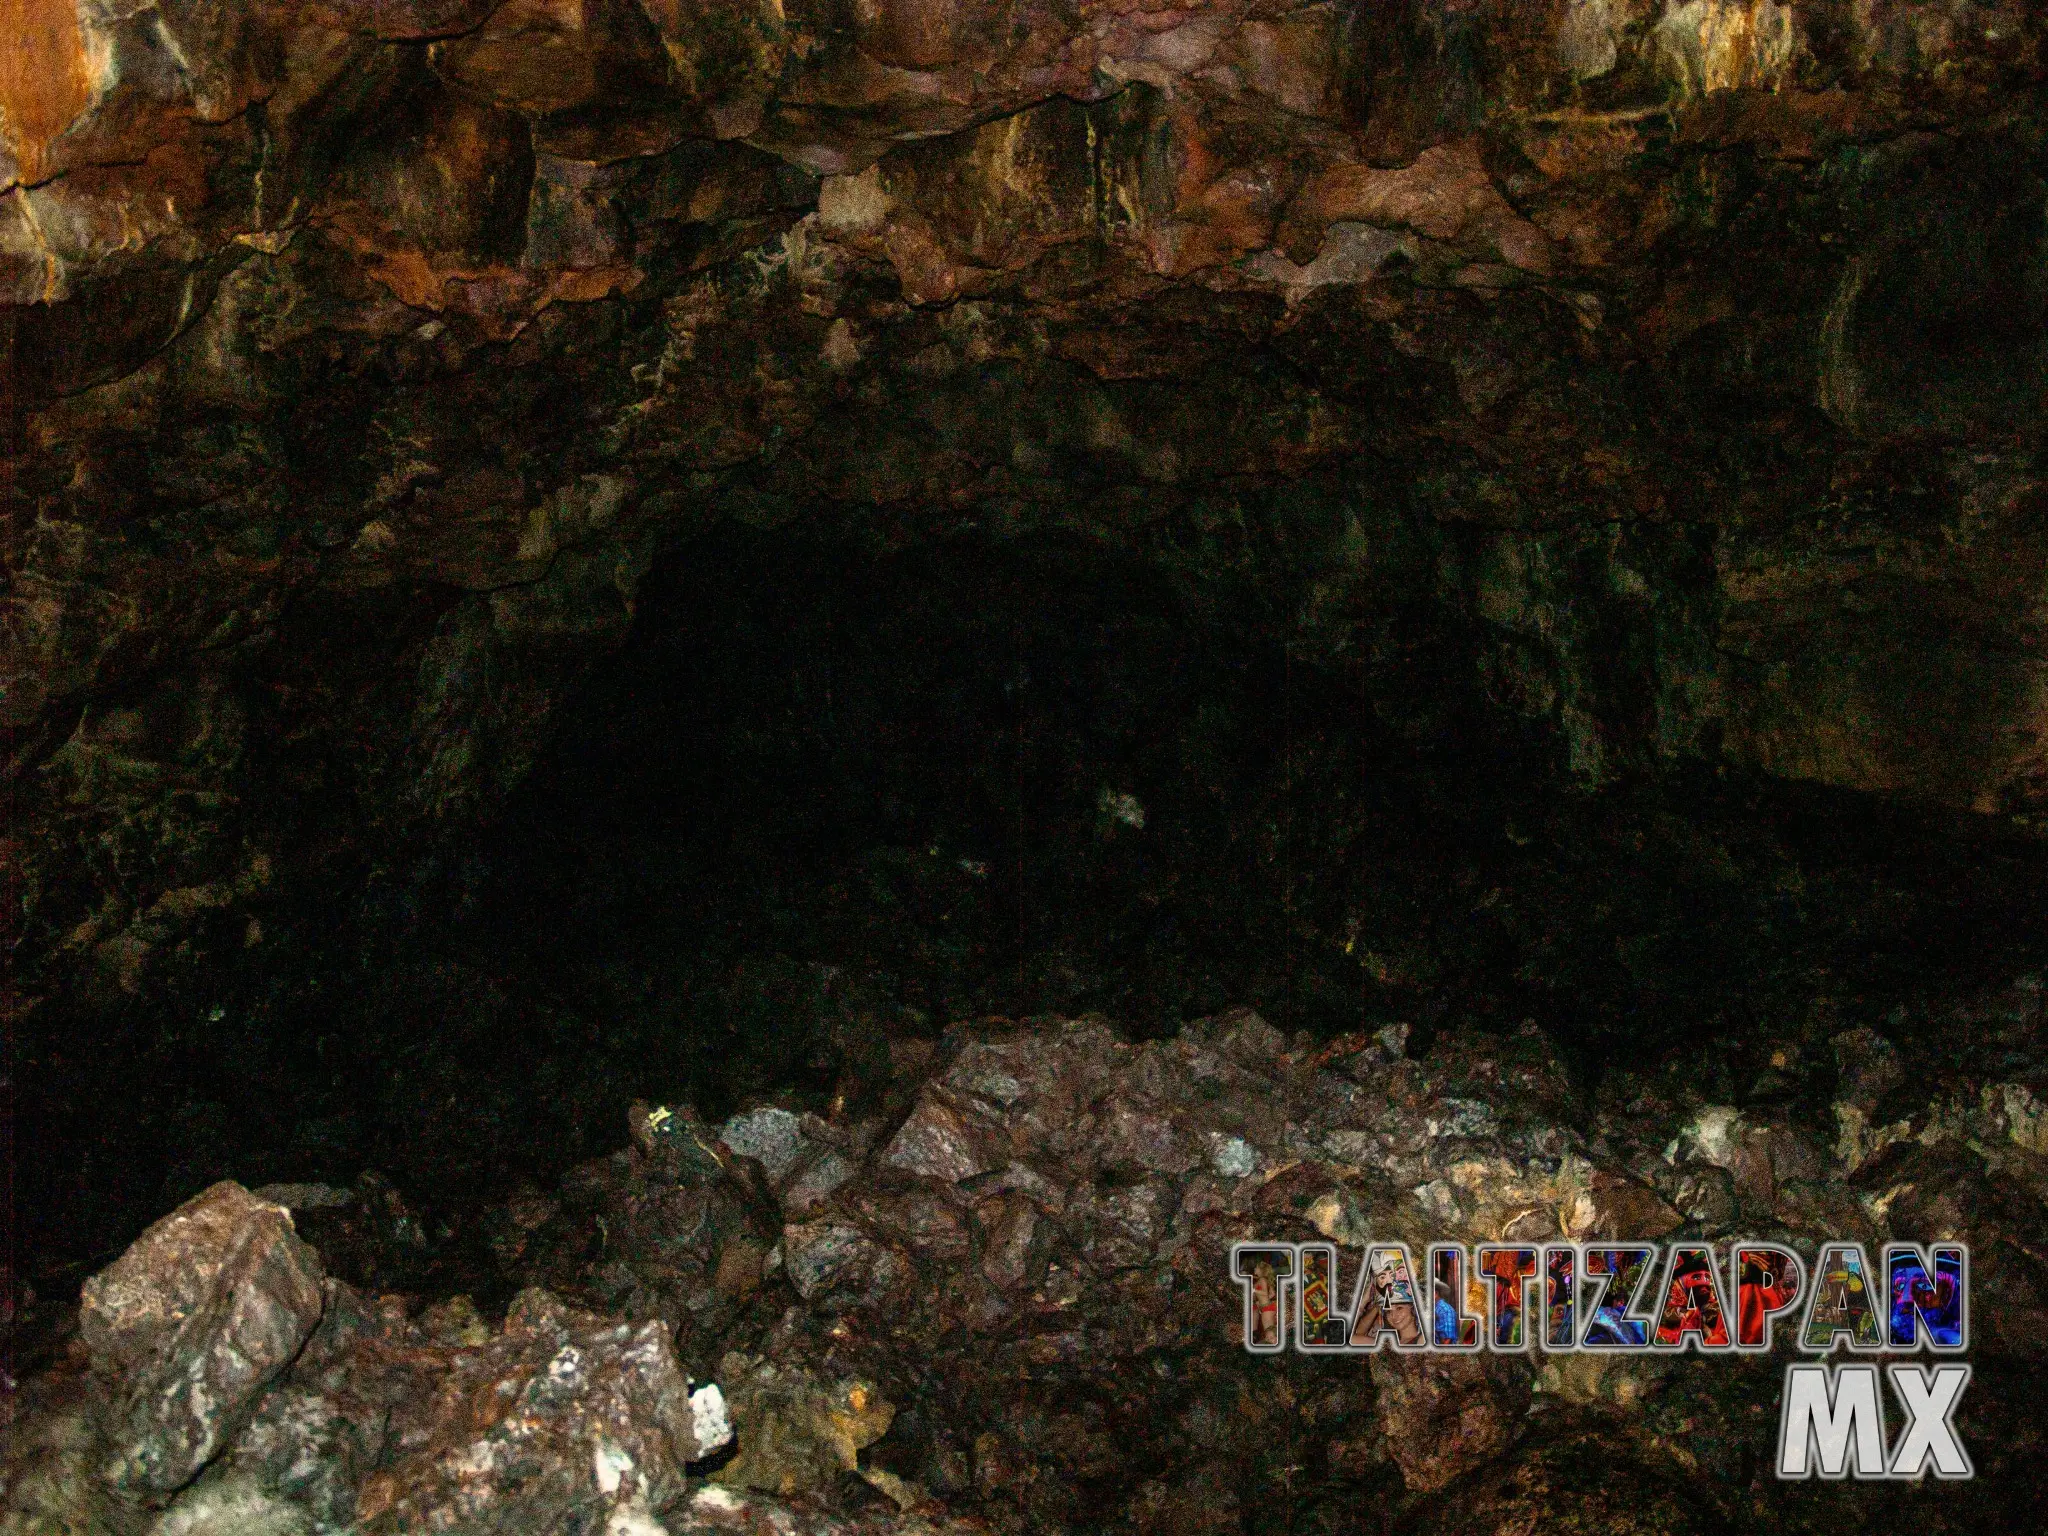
(828, 794)
(833, 794)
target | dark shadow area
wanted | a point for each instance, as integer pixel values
(828, 798)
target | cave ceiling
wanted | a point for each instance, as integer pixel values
(1691, 356)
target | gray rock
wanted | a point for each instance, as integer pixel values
(318, 1432)
(188, 1328)
(819, 1253)
(1136, 1136)
(815, 1180)
(772, 1136)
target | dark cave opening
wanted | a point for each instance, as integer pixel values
(831, 795)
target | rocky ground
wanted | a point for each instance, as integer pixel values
(995, 1296)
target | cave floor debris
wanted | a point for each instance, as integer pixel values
(997, 1297)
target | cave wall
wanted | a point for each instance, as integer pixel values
(1681, 366)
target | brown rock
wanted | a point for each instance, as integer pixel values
(45, 82)
(1135, 1136)
(560, 1419)
(1446, 1415)
(318, 1433)
(1567, 1477)
(1620, 1210)
(1011, 1252)
(190, 1325)
(797, 1431)
(946, 1141)
(1445, 195)
(726, 58)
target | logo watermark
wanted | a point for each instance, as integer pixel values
(1672, 1299)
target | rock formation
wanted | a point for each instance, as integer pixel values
(562, 554)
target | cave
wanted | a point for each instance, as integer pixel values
(736, 734)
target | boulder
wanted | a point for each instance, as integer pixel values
(190, 1325)
(557, 1424)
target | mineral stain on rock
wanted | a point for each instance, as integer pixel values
(46, 81)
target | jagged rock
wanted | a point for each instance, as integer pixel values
(773, 1137)
(1610, 1205)
(560, 1421)
(554, 1425)
(1445, 1416)
(1870, 1072)
(797, 1433)
(682, 1235)
(1057, 1207)
(828, 1254)
(1566, 1477)
(319, 1432)
(944, 1142)
(1757, 1155)
(917, 1335)
(190, 1325)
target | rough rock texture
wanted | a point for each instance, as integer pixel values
(191, 1325)
(1017, 1289)
(558, 1415)
(1721, 323)
(1568, 1479)
(218, 1352)
(1669, 376)
(1448, 1415)
(1016, 1315)
(801, 1433)
(1658, 384)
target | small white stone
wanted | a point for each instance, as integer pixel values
(709, 1419)
(1231, 1156)
(610, 1465)
(632, 1519)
